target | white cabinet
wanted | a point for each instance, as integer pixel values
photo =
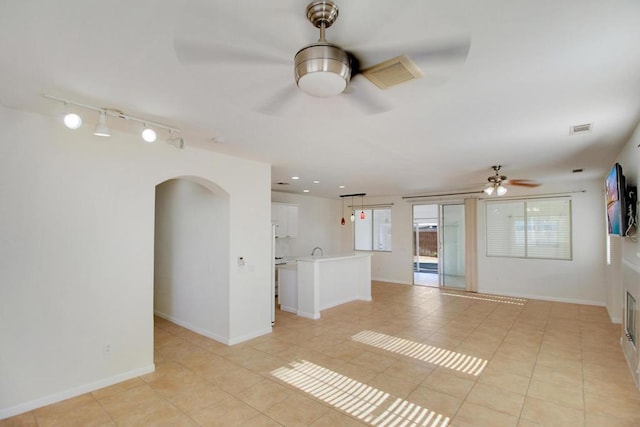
(285, 218)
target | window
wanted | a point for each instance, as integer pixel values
(529, 229)
(373, 233)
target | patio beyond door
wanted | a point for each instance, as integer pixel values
(439, 245)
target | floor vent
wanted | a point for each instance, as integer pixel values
(393, 72)
(580, 128)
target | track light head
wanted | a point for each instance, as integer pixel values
(149, 135)
(101, 127)
(72, 121)
(176, 141)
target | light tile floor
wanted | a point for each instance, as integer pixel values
(410, 356)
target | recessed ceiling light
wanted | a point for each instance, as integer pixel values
(340, 186)
(305, 191)
(295, 177)
(316, 182)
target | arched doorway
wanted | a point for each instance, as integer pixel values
(191, 257)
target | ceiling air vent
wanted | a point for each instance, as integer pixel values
(580, 128)
(393, 72)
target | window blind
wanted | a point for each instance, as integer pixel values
(539, 228)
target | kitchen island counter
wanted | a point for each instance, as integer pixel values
(331, 280)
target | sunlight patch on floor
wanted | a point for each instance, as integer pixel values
(427, 353)
(366, 403)
(491, 298)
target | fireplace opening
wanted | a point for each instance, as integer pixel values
(630, 323)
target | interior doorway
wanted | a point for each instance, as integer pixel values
(439, 245)
(191, 256)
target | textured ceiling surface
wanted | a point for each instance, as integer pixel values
(503, 82)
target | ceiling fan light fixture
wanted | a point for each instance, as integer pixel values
(489, 190)
(501, 191)
(322, 70)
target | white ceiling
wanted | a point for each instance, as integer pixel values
(534, 68)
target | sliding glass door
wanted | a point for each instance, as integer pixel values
(439, 245)
(452, 259)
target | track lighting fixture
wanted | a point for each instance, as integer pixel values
(176, 141)
(149, 134)
(101, 127)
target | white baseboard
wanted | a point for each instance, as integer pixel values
(187, 325)
(616, 320)
(247, 337)
(387, 280)
(308, 315)
(345, 301)
(288, 309)
(76, 391)
(541, 297)
(212, 335)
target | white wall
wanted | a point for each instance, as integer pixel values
(77, 254)
(581, 280)
(192, 257)
(629, 159)
(318, 225)
(626, 250)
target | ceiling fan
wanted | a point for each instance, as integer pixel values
(321, 69)
(497, 183)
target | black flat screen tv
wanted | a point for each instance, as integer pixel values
(615, 189)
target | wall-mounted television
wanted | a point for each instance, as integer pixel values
(615, 190)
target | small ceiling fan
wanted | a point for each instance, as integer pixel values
(497, 183)
(322, 68)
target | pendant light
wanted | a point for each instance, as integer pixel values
(353, 217)
(362, 215)
(342, 221)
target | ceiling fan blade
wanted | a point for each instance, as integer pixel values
(455, 51)
(524, 183)
(202, 52)
(278, 103)
(208, 32)
(365, 100)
